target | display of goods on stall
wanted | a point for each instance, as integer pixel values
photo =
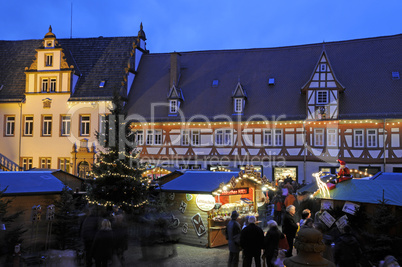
(223, 213)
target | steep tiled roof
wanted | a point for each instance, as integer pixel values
(95, 59)
(364, 67)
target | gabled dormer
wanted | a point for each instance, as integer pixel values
(52, 70)
(239, 97)
(322, 92)
(175, 98)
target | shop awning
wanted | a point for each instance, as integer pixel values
(198, 182)
(368, 191)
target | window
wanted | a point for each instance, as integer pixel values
(28, 125)
(319, 137)
(26, 163)
(173, 106)
(323, 67)
(185, 137)
(267, 137)
(158, 137)
(278, 137)
(139, 137)
(49, 60)
(64, 164)
(371, 137)
(45, 163)
(328, 170)
(154, 137)
(84, 125)
(358, 138)
(238, 105)
(47, 125)
(150, 137)
(332, 137)
(195, 137)
(322, 97)
(49, 85)
(10, 126)
(45, 83)
(223, 137)
(52, 85)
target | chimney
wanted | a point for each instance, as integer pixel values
(174, 69)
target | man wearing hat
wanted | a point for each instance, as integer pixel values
(233, 230)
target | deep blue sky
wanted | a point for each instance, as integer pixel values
(190, 25)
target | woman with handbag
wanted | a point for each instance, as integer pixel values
(271, 243)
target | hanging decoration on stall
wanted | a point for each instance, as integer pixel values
(183, 206)
(171, 196)
(184, 229)
(205, 202)
(199, 226)
(350, 208)
(189, 197)
(327, 219)
(248, 173)
(327, 204)
(341, 222)
(175, 222)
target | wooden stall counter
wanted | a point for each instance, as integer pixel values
(217, 236)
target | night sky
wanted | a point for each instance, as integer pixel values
(189, 25)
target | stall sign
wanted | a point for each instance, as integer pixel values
(350, 208)
(341, 222)
(327, 204)
(199, 226)
(327, 219)
(236, 191)
(205, 202)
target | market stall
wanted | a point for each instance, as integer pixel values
(201, 203)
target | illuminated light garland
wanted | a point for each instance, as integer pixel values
(109, 203)
(322, 186)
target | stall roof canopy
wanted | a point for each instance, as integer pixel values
(30, 182)
(368, 191)
(198, 182)
(388, 176)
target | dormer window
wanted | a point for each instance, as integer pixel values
(238, 105)
(49, 85)
(49, 60)
(174, 106)
(322, 97)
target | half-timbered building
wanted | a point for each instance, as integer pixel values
(289, 111)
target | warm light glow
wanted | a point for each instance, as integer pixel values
(322, 186)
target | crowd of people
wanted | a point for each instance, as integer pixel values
(104, 237)
(263, 242)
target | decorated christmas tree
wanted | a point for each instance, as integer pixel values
(118, 172)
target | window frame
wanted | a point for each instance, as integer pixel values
(63, 121)
(318, 136)
(185, 137)
(223, 135)
(27, 163)
(195, 133)
(64, 164)
(45, 162)
(173, 106)
(370, 136)
(31, 127)
(238, 105)
(158, 137)
(267, 133)
(82, 126)
(9, 131)
(278, 137)
(49, 60)
(332, 136)
(139, 141)
(358, 135)
(149, 138)
(47, 124)
(318, 98)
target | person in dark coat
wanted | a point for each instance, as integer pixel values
(289, 227)
(102, 247)
(233, 230)
(271, 242)
(252, 241)
(88, 231)
(120, 234)
(347, 252)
